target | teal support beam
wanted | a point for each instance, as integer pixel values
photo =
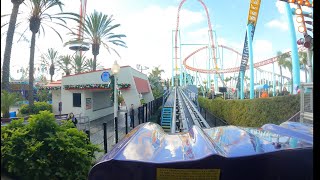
(180, 58)
(294, 50)
(173, 65)
(249, 29)
(241, 85)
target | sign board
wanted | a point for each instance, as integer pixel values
(105, 77)
(88, 103)
(167, 173)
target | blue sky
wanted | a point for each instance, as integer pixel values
(148, 25)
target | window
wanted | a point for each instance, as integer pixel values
(76, 99)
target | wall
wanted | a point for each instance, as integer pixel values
(146, 96)
(56, 98)
(95, 114)
(125, 75)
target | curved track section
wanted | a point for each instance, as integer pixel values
(210, 36)
(229, 70)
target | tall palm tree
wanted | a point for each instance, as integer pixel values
(64, 64)
(50, 59)
(8, 48)
(98, 29)
(304, 62)
(79, 64)
(281, 61)
(37, 19)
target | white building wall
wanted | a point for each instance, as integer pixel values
(56, 98)
(125, 75)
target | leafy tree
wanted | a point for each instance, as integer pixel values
(8, 100)
(288, 64)
(50, 59)
(42, 149)
(304, 62)
(8, 47)
(281, 62)
(64, 64)
(97, 29)
(79, 64)
(39, 13)
(155, 81)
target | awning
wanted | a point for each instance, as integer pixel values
(54, 84)
(142, 85)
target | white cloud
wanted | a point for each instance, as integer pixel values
(278, 24)
(262, 46)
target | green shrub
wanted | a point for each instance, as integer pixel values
(253, 112)
(42, 149)
(36, 108)
(7, 100)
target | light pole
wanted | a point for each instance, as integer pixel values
(115, 70)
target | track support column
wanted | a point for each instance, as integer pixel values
(249, 29)
(294, 50)
(241, 85)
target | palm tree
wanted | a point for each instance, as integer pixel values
(281, 61)
(64, 64)
(97, 29)
(7, 100)
(39, 14)
(91, 63)
(50, 59)
(8, 48)
(288, 64)
(79, 64)
(304, 62)
(155, 77)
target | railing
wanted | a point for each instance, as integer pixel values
(105, 134)
(306, 102)
(211, 119)
(295, 118)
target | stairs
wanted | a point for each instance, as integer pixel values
(166, 118)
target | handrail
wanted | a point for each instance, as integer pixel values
(173, 125)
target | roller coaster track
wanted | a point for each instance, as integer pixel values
(189, 112)
(210, 36)
(229, 70)
(252, 19)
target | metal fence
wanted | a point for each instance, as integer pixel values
(107, 131)
(211, 119)
(306, 102)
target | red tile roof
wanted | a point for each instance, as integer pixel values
(142, 85)
(54, 84)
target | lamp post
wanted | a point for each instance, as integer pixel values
(115, 70)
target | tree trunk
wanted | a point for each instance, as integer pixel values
(94, 62)
(8, 48)
(280, 79)
(31, 69)
(51, 78)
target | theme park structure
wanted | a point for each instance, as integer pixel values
(186, 145)
(214, 60)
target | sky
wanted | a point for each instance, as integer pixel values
(148, 25)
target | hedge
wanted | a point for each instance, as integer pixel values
(253, 112)
(38, 106)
